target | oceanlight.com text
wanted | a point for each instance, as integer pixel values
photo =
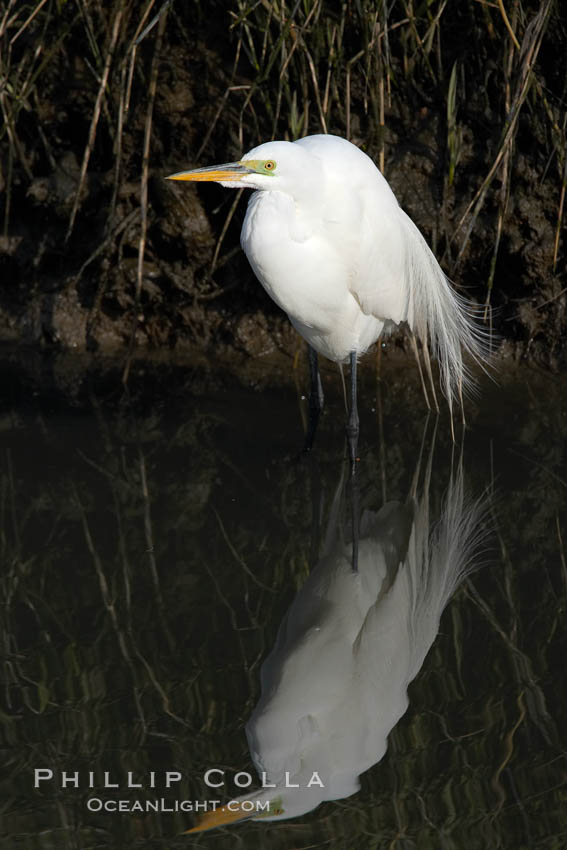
(97, 804)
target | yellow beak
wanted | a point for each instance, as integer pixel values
(229, 171)
(221, 817)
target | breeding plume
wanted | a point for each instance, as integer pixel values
(329, 242)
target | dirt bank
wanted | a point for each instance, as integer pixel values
(461, 109)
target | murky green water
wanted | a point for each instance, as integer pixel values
(152, 543)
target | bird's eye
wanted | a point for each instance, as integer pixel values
(269, 165)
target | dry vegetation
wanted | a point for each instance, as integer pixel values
(461, 105)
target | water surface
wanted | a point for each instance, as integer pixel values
(152, 543)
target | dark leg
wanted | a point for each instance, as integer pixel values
(352, 431)
(355, 516)
(352, 428)
(316, 398)
(316, 508)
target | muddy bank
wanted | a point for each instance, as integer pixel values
(99, 253)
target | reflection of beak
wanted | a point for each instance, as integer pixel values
(228, 171)
(221, 817)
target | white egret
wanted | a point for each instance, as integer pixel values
(335, 683)
(329, 242)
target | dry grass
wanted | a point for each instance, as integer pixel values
(468, 82)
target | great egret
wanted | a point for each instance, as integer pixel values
(329, 242)
(335, 683)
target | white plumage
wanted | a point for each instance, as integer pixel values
(329, 242)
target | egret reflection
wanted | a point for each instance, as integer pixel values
(335, 683)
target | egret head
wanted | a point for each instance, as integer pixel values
(279, 166)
